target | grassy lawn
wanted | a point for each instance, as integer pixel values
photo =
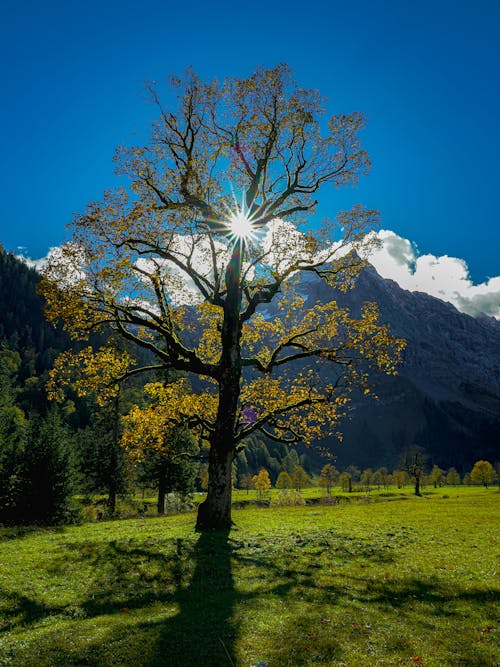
(405, 581)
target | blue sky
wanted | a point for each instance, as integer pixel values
(426, 75)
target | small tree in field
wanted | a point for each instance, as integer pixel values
(261, 482)
(328, 477)
(415, 466)
(467, 480)
(245, 482)
(284, 481)
(367, 478)
(400, 478)
(300, 478)
(436, 476)
(483, 473)
(452, 477)
(345, 481)
(203, 234)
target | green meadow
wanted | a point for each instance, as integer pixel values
(395, 580)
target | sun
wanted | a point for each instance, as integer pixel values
(241, 226)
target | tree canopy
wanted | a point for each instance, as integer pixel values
(186, 256)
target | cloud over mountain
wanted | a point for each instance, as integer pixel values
(444, 277)
(397, 258)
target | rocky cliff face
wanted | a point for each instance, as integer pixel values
(446, 397)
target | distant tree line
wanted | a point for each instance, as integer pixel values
(352, 479)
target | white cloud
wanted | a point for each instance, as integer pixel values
(397, 258)
(444, 277)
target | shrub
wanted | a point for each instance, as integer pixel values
(287, 498)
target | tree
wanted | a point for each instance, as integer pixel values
(13, 431)
(400, 478)
(290, 461)
(284, 481)
(367, 478)
(300, 478)
(179, 267)
(245, 482)
(328, 477)
(345, 481)
(102, 459)
(483, 473)
(48, 472)
(171, 470)
(452, 477)
(415, 467)
(437, 476)
(261, 482)
(467, 480)
(163, 448)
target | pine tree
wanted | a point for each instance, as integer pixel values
(48, 473)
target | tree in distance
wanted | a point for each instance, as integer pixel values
(366, 479)
(284, 481)
(483, 473)
(452, 477)
(300, 478)
(328, 477)
(204, 233)
(400, 478)
(261, 482)
(414, 463)
(436, 476)
(345, 481)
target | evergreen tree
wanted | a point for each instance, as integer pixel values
(13, 429)
(47, 473)
(102, 459)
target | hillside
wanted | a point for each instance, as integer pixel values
(22, 323)
(446, 397)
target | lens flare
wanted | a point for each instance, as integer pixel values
(240, 226)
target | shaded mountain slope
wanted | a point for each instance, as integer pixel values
(446, 397)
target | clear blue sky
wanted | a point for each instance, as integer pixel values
(426, 74)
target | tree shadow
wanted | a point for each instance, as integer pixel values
(204, 630)
(187, 589)
(18, 609)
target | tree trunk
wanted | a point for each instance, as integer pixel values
(161, 494)
(112, 498)
(417, 485)
(214, 513)
(115, 457)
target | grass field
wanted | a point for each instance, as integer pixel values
(403, 581)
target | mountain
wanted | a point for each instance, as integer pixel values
(446, 397)
(23, 326)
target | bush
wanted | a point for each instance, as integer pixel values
(287, 498)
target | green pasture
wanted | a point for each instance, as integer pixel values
(402, 581)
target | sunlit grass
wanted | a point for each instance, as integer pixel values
(379, 583)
